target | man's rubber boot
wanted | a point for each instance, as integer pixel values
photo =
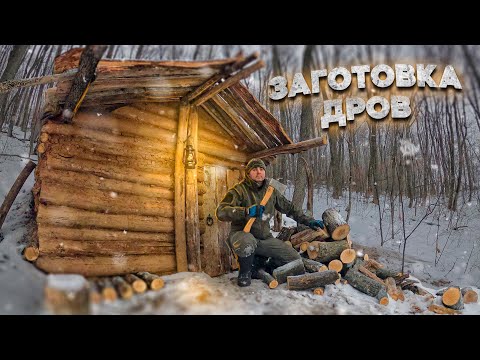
(245, 271)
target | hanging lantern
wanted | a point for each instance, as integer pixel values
(189, 157)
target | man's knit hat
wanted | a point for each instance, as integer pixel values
(254, 163)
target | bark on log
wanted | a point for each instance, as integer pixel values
(138, 285)
(266, 278)
(312, 280)
(313, 266)
(452, 298)
(286, 233)
(122, 287)
(328, 251)
(437, 309)
(371, 275)
(384, 273)
(290, 148)
(308, 236)
(469, 295)
(67, 294)
(153, 281)
(85, 75)
(107, 265)
(14, 190)
(336, 226)
(368, 286)
(94, 292)
(107, 289)
(69, 217)
(222, 161)
(290, 269)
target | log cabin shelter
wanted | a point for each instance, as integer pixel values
(133, 182)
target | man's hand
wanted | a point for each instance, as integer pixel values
(316, 224)
(255, 211)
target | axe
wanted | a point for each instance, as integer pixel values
(272, 185)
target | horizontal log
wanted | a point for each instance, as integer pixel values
(169, 110)
(73, 152)
(69, 217)
(122, 287)
(104, 201)
(84, 180)
(313, 266)
(438, 309)
(328, 251)
(86, 234)
(291, 148)
(214, 160)
(138, 285)
(308, 236)
(61, 247)
(107, 265)
(290, 269)
(223, 152)
(95, 292)
(368, 286)
(141, 144)
(165, 154)
(312, 280)
(154, 282)
(266, 278)
(108, 171)
(31, 253)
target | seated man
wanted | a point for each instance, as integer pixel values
(241, 203)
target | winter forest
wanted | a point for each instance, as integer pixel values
(406, 187)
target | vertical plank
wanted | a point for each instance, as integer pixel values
(211, 261)
(180, 236)
(223, 227)
(233, 177)
(191, 200)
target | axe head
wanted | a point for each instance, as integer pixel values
(277, 185)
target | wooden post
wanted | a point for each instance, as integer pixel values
(180, 236)
(191, 197)
(12, 194)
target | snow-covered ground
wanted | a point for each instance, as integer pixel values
(21, 284)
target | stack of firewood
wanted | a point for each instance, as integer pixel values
(122, 287)
(327, 257)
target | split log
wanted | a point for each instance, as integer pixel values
(336, 226)
(286, 233)
(393, 291)
(67, 294)
(154, 282)
(266, 278)
(14, 190)
(335, 265)
(312, 280)
(290, 269)
(373, 265)
(452, 298)
(368, 286)
(308, 236)
(328, 251)
(304, 247)
(313, 266)
(138, 285)
(349, 241)
(469, 295)
(82, 79)
(319, 291)
(437, 309)
(107, 289)
(123, 288)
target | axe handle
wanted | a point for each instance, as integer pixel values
(264, 201)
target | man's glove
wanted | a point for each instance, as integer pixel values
(316, 224)
(255, 211)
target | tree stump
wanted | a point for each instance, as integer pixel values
(67, 294)
(312, 280)
(336, 226)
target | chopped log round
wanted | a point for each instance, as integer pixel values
(123, 288)
(348, 256)
(31, 253)
(267, 278)
(469, 295)
(107, 289)
(395, 292)
(312, 280)
(319, 291)
(95, 295)
(290, 269)
(155, 282)
(452, 298)
(336, 226)
(138, 285)
(367, 286)
(313, 266)
(304, 246)
(67, 294)
(336, 265)
(41, 148)
(328, 251)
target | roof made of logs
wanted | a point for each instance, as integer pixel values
(214, 85)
